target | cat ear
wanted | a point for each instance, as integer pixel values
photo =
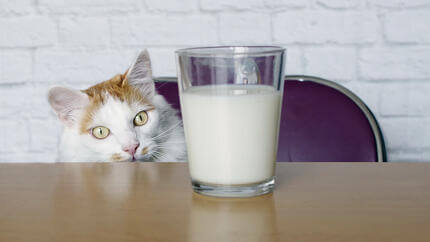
(67, 103)
(140, 74)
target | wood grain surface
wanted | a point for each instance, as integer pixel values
(154, 202)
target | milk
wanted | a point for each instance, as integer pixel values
(231, 133)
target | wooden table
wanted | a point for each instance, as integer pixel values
(154, 202)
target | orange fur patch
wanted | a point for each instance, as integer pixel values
(145, 150)
(116, 87)
(116, 157)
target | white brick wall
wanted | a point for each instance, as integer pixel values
(380, 49)
(339, 62)
(244, 28)
(320, 27)
(34, 31)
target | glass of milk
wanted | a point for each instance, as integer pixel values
(231, 102)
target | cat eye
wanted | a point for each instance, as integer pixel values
(100, 132)
(141, 118)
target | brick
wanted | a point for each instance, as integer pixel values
(163, 61)
(84, 32)
(13, 101)
(14, 135)
(45, 135)
(252, 5)
(342, 4)
(406, 133)
(25, 102)
(316, 27)
(231, 5)
(405, 99)
(25, 157)
(39, 107)
(408, 27)
(15, 66)
(285, 4)
(27, 32)
(246, 29)
(400, 3)
(409, 156)
(294, 64)
(396, 63)
(69, 67)
(331, 63)
(172, 5)
(12, 7)
(164, 30)
(84, 7)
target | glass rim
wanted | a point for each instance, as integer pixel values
(230, 51)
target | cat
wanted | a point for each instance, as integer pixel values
(121, 119)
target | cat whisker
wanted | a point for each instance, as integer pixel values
(165, 135)
(154, 155)
(158, 155)
(179, 142)
(162, 134)
(165, 147)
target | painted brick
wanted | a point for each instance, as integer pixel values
(342, 4)
(27, 32)
(164, 30)
(294, 64)
(39, 106)
(231, 5)
(14, 101)
(400, 3)
(406, 133)
(45, 134)
(163, 61)
(245, 29)
(84, 32)
(84, 7)
(397, 63)
(56, 67)
(25, 157)
(405, 99)
(14, 136)
(15, 66)
(408, 27)
(172, 5)
(285, 4)
(325, 27)
(13, 7)
(409, 156)
(331, 63)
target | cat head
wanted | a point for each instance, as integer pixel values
(116, 120)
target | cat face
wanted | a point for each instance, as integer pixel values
(121, 119)
(119, 131)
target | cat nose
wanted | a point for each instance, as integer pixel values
(131, 149)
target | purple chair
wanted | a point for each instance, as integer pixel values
(321, 121)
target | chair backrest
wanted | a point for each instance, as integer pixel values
(320, 121)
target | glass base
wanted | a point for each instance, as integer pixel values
(247, 190)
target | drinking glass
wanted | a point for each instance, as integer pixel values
(231, 102)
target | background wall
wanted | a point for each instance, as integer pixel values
(380, 49)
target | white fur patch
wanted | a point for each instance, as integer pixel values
(118, 117)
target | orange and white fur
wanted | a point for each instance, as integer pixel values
(122, 119)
